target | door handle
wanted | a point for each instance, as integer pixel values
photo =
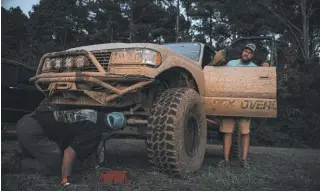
(264, 77)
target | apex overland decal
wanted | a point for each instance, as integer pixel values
(246, 104)
(258, 104)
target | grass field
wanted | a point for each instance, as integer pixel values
(271, 169)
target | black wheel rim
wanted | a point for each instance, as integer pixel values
(191, 136)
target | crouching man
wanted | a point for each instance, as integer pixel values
(55, 138)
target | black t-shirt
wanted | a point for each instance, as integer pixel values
(79, 129)
(63, 126)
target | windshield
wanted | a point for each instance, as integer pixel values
(189, 50)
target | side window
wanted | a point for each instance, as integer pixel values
(207, 57)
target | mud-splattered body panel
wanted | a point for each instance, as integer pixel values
(240, 91)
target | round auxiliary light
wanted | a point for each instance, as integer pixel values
(80, 61)
(58, 63)
(68, 62)
(47, 64)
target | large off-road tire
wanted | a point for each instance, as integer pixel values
(177, 132)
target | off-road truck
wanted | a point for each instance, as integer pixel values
(168, 92)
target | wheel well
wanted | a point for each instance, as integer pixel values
(178, 77)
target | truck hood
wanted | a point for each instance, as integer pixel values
(106, 46)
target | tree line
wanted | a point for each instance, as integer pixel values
(61, 24)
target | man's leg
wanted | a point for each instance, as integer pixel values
(226, 127)
(46, 154)
(244, 125)
(227, 140)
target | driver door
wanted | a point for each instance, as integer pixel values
(242, 91)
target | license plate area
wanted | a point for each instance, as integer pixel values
(63, 86)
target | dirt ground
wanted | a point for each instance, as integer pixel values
(271, 169)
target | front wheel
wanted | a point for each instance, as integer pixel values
(177, 132)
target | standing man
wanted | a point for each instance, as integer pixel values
(53, 138)
(228, 123)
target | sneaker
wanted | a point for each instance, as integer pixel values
(65, 182)
(70, 181)
(223, 163)
(245, 164)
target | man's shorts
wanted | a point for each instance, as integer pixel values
(227, 125)
(85, 143)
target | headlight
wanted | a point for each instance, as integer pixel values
(135, 56)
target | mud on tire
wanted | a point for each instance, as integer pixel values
(177, 132)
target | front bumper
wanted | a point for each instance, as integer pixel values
(50, 83)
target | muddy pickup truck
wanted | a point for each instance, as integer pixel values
(168, 92)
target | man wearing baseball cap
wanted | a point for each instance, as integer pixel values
(228, 123)
(245, 57)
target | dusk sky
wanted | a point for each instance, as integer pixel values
(25, 5)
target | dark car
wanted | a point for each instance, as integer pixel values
(19, 96)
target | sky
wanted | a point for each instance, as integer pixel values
(25, 5)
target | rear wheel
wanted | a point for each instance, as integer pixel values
(177, 132)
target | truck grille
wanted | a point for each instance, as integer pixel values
(102, 57)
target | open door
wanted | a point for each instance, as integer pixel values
(243, 91)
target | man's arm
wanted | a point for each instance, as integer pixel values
(67, 164)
